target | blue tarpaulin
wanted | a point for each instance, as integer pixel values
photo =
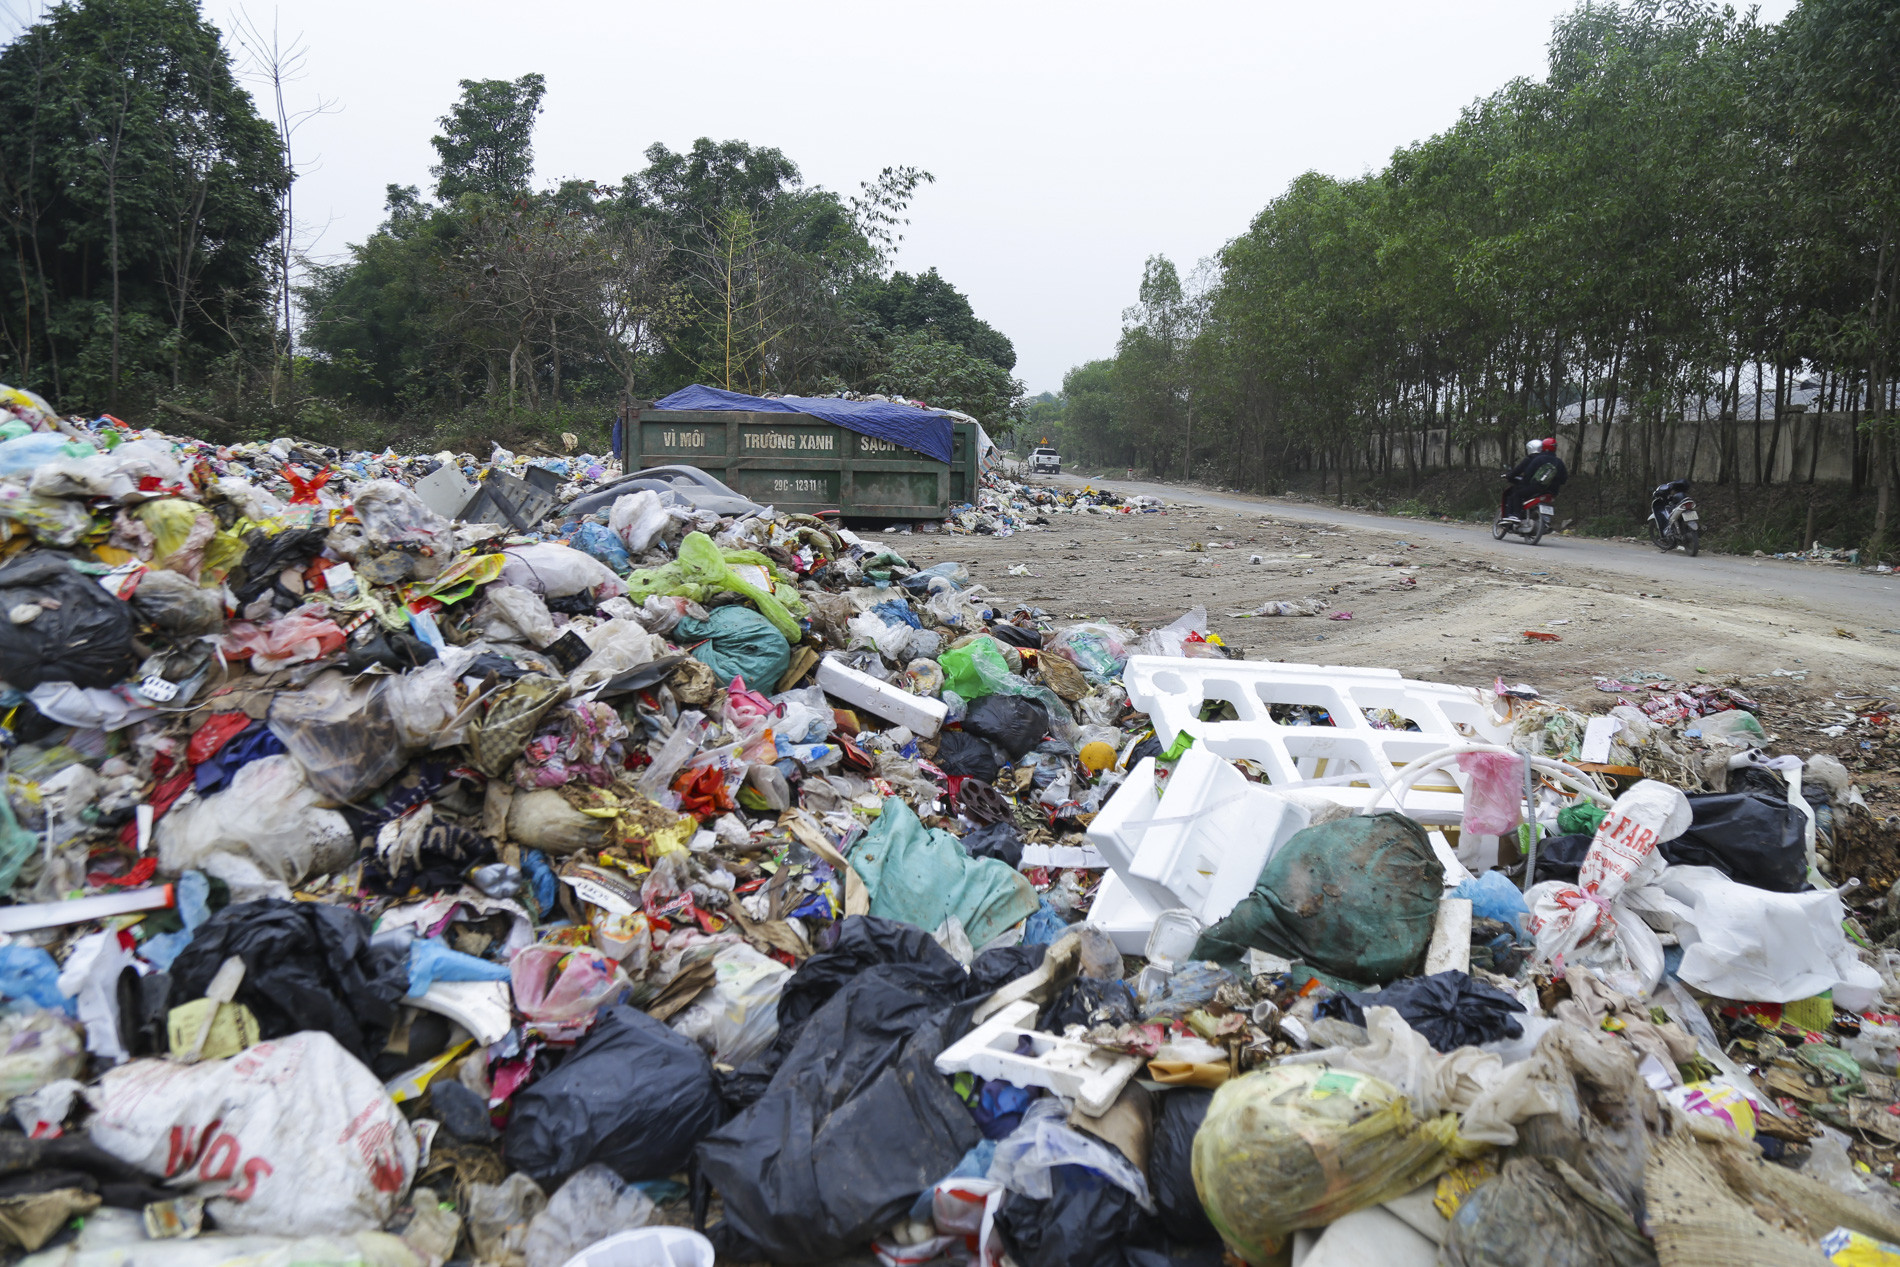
(925, 430)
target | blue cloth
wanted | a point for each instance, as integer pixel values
(534, 865)
(255, 742)
(896, 611)
(1044, 926)
(924, 430)
(431, 961)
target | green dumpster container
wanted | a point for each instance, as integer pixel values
(805, 465)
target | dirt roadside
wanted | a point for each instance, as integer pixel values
(1458, 611)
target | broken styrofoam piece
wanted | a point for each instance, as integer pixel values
(1126, 919)
(80, 910)
(1353, 752)
(483, 1008)
(1090, 1076)
(1451, 937)
(920, 713)
(1202, 844)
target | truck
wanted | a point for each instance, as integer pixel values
(1044, 460)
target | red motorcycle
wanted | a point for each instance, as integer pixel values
(1532, 524)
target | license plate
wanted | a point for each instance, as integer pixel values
(1690, 517)
(1546, 511)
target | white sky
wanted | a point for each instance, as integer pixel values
(1069, 140)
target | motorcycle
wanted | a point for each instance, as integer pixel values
(1532, 524)
(1673, 520)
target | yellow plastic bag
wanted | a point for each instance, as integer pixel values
(1302, 1145)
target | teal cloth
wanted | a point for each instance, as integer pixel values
(922, 876)
(738, 642)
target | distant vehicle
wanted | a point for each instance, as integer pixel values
(1530, 522)
(1673, 520)
(1044, 460)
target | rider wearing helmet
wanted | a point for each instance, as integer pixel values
(1540, 472)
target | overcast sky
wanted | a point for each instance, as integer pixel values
(1069, 140)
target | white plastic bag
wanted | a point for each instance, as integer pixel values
(592, 1205)
(1741, 942)
(1025, 1157)
(738, 1018)
(293, 1137)
(268, 814)
(391, 515)
(617, 645)
(638, 519)
(424, 705)
(1173, 640)
(556, 571)
(511, 613)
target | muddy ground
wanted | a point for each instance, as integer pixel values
(1459, 611)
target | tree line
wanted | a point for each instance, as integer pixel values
(153, 262)
(1689, 211)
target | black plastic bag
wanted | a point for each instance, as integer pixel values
(1171, 1165)
(1751, 837)
(307, 966)
(998, 840)
(1016, 636)
(82, 635)
(994, 969)
(633, 1095)
(1449, 1008)
(967, 755)
(1013, 723)
(1088, 1002)
(267, 556)
(856, 1122)
(1560, 857)
(1090, 1220)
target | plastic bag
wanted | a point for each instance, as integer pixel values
(1299, 1145)
(1013, 723)
(633, 1096)
(1356, 898)
(499, 1215)
(703, 561)
(38, 1047)
(1494, 801)
(309, 966)
(1184, 638)
(1099, 650)
(28, 974)
(1044, 1141)
(602, 544)
(1450, 1009)
(563, 983)
(175, 606)
(616, 646)
(53, 521)
(1493, 896)
(24, 453)
(293, 1136)
(737, 1018)
(391, 515)
(1177, 1117)
(592, 1205)
(60, 626)
(975, 669)
(342, 733)
(268, 815)
(922, 876)
(556, 571)
(1748, 836)
(1741, 942)
(734, 642)
(424, 705)
(1534, 1212)
(513, 613)
(307, 633)
(1086, 1219)
(891, 638)
(638, 519)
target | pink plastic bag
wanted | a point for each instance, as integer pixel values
(294, 637)
(1494, 803)
(562, 983)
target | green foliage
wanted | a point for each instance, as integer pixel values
(924, 365)
(902, 304)
(139, 187)
(487, 146)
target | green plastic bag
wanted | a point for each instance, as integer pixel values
(975, 669)
(703, 569)
(1580, 819)
(1355, 898)
(738, 643)
(17, 844)
(922, 876)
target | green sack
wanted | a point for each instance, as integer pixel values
(922, 876)
(1355, 898)
(738, 642)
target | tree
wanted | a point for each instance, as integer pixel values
(925, 366)
(903, 304)
(140, 192)
(487, 141)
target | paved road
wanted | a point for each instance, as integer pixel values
(1872, 599)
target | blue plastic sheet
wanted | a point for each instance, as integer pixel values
(600, 542)
(924, 430)
(1493, 896)
(431, 961)
(29, 973)
(193, 894)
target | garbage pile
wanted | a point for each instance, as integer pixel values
(657, 884)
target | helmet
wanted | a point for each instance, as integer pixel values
(1549, 444)
(1533, 446)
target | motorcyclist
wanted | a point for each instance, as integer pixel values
(1541, 472)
